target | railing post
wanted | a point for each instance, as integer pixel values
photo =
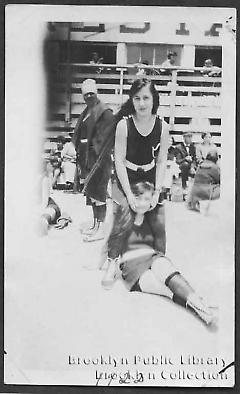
(69, 78)
(121, 82)
(173, 99)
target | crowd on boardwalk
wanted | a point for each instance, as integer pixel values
(130, 158)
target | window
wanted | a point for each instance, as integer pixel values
(153, 53)
(207, 52)
(81, 52)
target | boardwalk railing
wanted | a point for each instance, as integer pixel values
(186, 95)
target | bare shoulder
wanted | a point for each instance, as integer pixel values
(121, 129)
(165, 125)
(122, 122)
(164, 130)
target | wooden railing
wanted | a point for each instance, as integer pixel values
(185, 95)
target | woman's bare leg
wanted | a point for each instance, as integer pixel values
(150, 284)
(183, 293)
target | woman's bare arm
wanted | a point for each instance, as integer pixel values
(120, 156)
(162, 157)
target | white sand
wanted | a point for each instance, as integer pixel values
(55, 305)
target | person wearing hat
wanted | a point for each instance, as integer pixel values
(171, 60)
(185, 153)
(88, 138)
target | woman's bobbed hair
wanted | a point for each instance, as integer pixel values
(128, 107)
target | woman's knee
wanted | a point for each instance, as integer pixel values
(146, 280)
(163, 267)
(150, 283)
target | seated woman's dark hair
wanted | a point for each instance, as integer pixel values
(142, 187)
(212, 156)
(128, 107)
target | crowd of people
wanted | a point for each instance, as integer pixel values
(61, 158)
(131, 151)
(143, 68)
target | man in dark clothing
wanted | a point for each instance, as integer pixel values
(89, 137)
(185, 153)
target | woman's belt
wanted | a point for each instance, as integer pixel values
(136, 167)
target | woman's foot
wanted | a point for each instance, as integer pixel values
(87, 227)
(194, 207)
(111, 274)
(203, 311)
(96, 234)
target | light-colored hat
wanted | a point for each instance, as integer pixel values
(89, 86)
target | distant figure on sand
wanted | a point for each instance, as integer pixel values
(69, 163)
(49, 211)
(206, 184)
(185, 153)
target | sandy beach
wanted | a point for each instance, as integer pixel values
(56, 308)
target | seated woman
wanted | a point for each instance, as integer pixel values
(205, 146)
(56, 162)
(131, 253)
(206, 184)
(68, 155)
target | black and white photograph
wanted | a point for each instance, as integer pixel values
(119, 196)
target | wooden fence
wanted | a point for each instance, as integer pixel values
(186, 95)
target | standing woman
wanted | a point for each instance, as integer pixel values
(141, 146)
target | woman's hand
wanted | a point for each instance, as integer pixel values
(132, 201)
(188, 158)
